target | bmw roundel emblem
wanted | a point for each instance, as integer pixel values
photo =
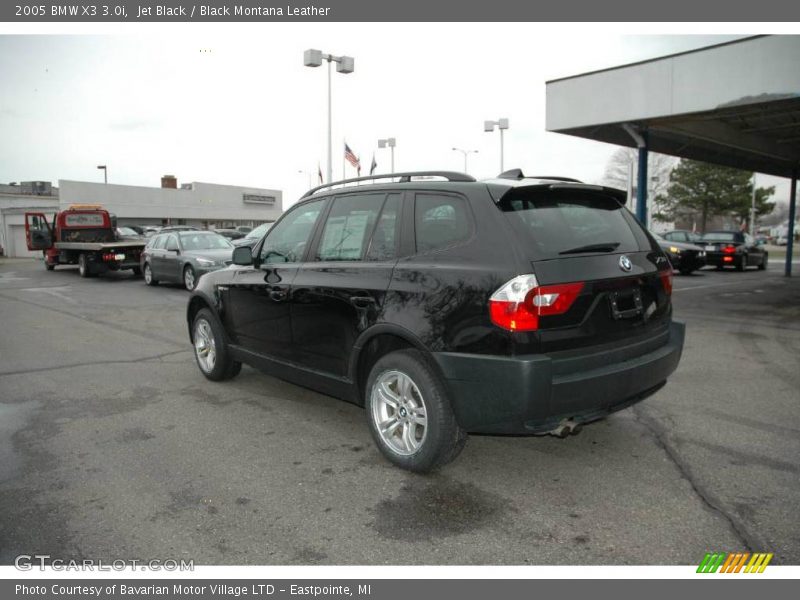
(625, 263)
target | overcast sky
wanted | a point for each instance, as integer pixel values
(233, 104)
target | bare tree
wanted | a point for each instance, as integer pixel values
(624, 163)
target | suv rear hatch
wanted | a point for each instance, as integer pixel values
(600, 277)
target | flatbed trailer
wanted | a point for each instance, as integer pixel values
(82, 235)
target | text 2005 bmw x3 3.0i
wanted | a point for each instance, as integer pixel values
(445, 306)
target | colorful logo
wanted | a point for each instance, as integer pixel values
(734, 562)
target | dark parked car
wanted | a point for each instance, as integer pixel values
(127, 233)
(514, 305)
(682, 256)
(252, 238)
(184, 256)
(231, 234)
(682, 235)
(734, 249)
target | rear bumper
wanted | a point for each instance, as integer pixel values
(532, 394)
(715, 259)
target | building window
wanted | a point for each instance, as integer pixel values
(256, 199)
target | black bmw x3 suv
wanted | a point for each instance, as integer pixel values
(447, 306)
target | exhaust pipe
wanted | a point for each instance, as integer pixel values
(565, 428)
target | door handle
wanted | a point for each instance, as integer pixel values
(362, 301)
(277, 295)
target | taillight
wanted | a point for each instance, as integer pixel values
(518, 305)
(666, 282)
(729, 249)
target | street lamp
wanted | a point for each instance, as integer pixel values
(502, 125)
(105, 172)
(391, 143)
(344, 64)
(465, 153)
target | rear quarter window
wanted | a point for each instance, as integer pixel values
(440, 220)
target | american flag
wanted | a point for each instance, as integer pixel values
(374, 165)
(351, 158)
(319, 173)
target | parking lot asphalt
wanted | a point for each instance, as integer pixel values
(113, 446)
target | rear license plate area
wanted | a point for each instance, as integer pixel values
(626, 304)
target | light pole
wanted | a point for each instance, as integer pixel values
(502, 125)
(753, 209)
(344, 64)
(465, 153)
(391, 143)
(105, 172)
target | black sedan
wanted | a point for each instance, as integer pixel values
(734, 249)
(184, 256)
(683, 257)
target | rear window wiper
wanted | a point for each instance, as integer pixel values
(604, 247)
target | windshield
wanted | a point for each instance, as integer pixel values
(204, 241)
(127, 231)
(259, 231)
(720, 236)
(556, 223)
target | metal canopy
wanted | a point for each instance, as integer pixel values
(762, 137)
(736, 104)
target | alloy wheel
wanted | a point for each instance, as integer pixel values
(399, 412)
(204, 345)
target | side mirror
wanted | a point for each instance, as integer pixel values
(242, 255)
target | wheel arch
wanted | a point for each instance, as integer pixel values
(375, 342)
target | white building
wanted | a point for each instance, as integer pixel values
(205, 205)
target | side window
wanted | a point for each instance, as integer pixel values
(384, 240)
(440, 221)
(349, 225)
(286, 241)
(172, 242)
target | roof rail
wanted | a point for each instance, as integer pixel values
(402, 177)
(518, 174)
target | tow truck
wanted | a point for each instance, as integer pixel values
(83, 234)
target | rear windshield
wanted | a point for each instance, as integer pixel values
(720, 236)
(558, 223)
(204, 241)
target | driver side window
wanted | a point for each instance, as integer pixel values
(286, 241)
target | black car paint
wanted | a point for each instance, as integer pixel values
(690, 257)
(311, 322)
(747, 251)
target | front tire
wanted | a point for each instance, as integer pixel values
(189, 278)
(409, 413)
(210, 348)
(148, 275)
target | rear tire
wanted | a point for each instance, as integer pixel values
(137, 271)
(84, 268)
(686, 271)
(764, 261)
(742, 263)
(409, 414)
(210, 348)
(148, 275)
